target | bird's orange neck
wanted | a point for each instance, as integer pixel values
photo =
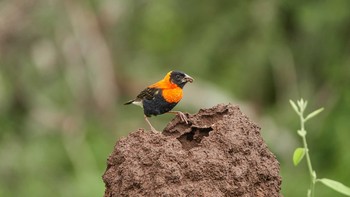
(171, 92)
(165, 83)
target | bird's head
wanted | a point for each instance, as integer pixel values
(179, 78)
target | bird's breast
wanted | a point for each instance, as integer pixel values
(173, 95)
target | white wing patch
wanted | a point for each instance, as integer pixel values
(138, 103)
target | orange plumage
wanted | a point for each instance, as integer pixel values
(171, 92)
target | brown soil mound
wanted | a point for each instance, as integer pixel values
(219, 153)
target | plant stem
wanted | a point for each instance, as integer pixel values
(308, 160)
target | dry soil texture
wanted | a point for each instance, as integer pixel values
(219, 153)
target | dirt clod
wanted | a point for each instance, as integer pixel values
(219, 153)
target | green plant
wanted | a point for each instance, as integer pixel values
(300, 152)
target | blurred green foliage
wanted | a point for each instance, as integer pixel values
(66, 67)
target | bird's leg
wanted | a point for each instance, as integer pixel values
(149, 123)
(182, 115)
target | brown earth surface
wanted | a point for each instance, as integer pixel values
(219, 153)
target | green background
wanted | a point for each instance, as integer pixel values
(66, 68)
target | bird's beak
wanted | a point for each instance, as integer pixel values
(188, 78)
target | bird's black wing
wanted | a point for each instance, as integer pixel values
(148, 93)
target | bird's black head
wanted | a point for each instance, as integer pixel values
(179, 78)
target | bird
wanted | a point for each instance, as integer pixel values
(162, 96)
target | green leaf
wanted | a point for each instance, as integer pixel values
(294, 106)
(314, 113)
(339, 187)
(298, 155)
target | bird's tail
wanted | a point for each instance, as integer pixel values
(129, 102)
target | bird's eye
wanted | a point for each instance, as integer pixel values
(178, 77)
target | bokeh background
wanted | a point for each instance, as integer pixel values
(66, 67)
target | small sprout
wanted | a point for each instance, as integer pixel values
(299, 153)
